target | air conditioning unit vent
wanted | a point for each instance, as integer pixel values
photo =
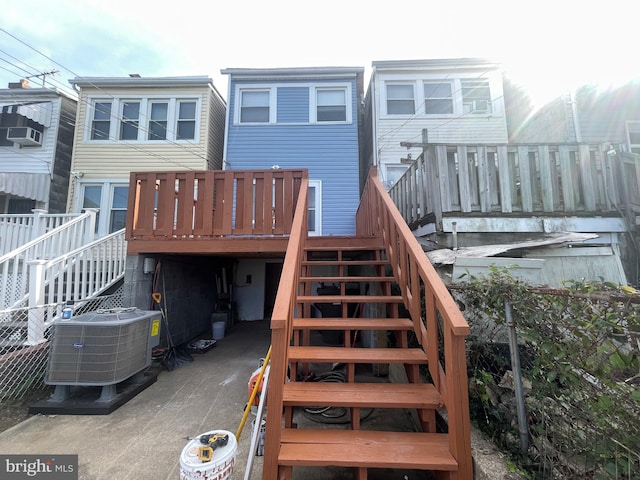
(103, 347)
(480, 106)
(24, 136)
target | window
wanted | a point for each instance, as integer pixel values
(633, 135)
(394, 172)
(130, 120)
(315, 207)
(254, 106)
(118, 217)
(186, 128)
(91, 198)
(8, 120)
(331, 105)
(158, 115)
(400, 100)
(438, 98)
(476, 96)
(101, 124)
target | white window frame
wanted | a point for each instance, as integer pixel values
(467, 103)
(410, 83)
(106, 201)
(135, 122)
(316, 185)
(451, 98)
(240, 89)
(313, 103)
(117, 104)
(91, 119)
(633, 126)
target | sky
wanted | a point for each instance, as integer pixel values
(548, 47)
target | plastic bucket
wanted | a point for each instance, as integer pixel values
(218, 330)
(220, 467)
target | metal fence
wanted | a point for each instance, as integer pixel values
(23, 365)
(555, 379)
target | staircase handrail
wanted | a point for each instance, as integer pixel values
(77, 276)
(18, 229)
(378, 216)
(284, 311)
(13, 265)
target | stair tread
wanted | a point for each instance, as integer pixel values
(374, 395)
(358, 355)
(344, 262)
(349, 298)
(366, 448)
(352, 323)
(350, 279)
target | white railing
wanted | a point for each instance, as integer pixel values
(76, 276)
(16, 230)
(14, 268)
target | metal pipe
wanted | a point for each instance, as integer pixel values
(517, 378)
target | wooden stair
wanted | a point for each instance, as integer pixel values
(362, 293)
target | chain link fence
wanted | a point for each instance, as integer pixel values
(554, 375)
(23, 363)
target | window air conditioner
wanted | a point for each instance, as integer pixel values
(24, 136)
(480, 106)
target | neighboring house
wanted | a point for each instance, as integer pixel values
(140, 124)
(36, 138)
(454, 100)
(549, 194)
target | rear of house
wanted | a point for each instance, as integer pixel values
(293, 118)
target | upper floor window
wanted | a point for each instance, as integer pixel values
(130, 120)
(101, 123)
(400, 99)
(331, 105)
(633, 133)
(158, 115)
(438, 98)
(255, 106)
(143, 119)
(186, 121)
(476, 96)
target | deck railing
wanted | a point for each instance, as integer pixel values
(520, 179)
(212, 203)
(443, 331)
(284, 311)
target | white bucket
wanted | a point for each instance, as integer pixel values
(220, 467)
(218, 330)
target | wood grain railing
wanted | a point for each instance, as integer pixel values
(442, 329)
(284, 312)
(211, 204)
(521, 179)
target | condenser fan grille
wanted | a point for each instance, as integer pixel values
(101, 352)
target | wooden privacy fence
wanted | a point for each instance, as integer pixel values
(519, 178)
(212, 203)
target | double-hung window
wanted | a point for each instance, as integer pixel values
(101, 121)
(331, 105)
(130, 120)
(476, 96)
(158, 118)
(186, 127)
(255, 106)
(438, 98)
(400, 99)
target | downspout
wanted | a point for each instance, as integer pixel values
(374, 120)
(574, 114)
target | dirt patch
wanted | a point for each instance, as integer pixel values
(13, 412)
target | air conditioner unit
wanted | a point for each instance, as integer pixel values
(102, 347)
(24, 136)
(480, 106)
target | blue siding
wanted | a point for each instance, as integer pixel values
(330, 152)
(293, 105)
